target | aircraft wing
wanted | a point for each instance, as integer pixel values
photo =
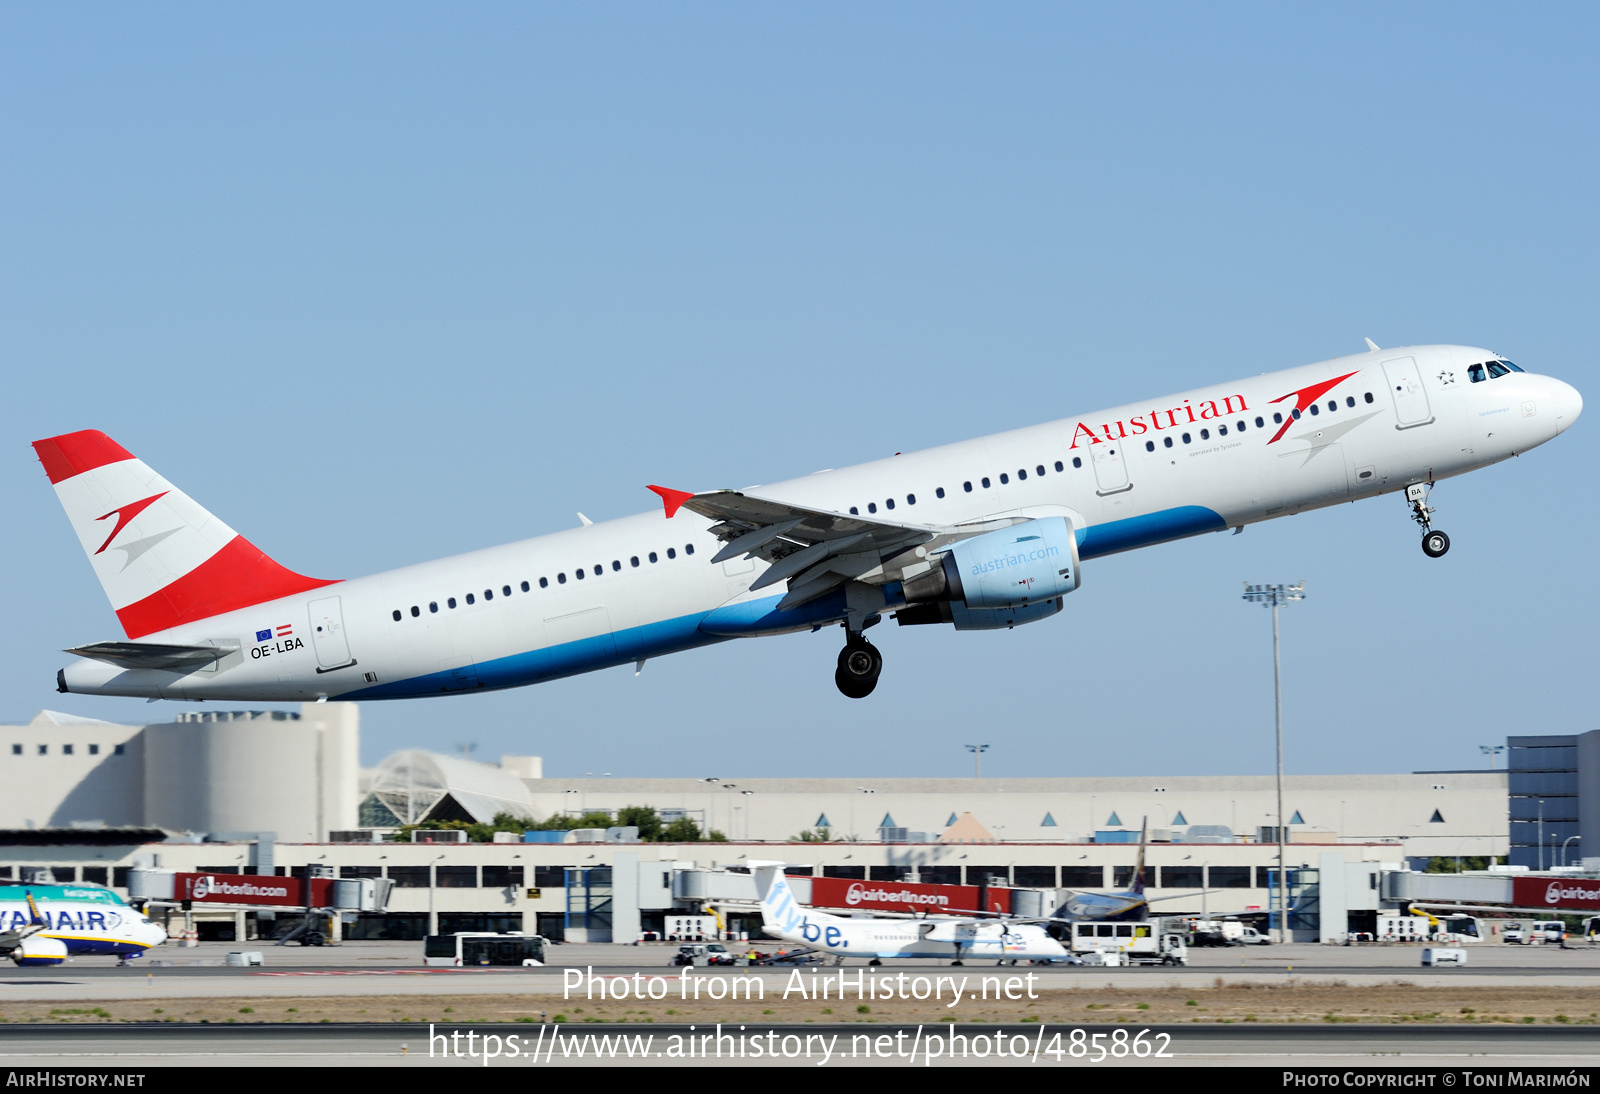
(816, 550)
(150, 655)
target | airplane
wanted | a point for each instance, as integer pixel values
(1130, 904)
(981, 534)
(875, 939)
(46, 924)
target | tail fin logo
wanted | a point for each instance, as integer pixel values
(124, 514)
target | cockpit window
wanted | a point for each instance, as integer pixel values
(1475, 374)
(1497, 370)
(1510, 366)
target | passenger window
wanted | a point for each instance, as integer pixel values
(889, 503)
(561, 579)
(1369, 396)
(634, 561)
(580, 573)
(1497, 370)
(911, 499)
(872, 507)
(616, 565)
(688, 548)
(1205, 434)
(525, 587)
(1277, 419)
(1186, 438)
(469, 598)
(488, 594)
(1314, 411)
(1077, 461)
(672, 552)
(505, 590)
(939, 493)
(854, 512)
(653, 556)
(1022, 474)
(1261, 425)
(1149, 446)
(1004, 479)
(1167, 441)
(1039, 470)
(415, 611)
(1349, 400)
(1222, 431)
(544, 583)
(450, 603)
(1239, 425)
(397, 615)
(433, 607)
(598, 570)
(985, 482)
(1333, 404)
(1059, 467)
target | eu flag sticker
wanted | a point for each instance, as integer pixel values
(264, 636)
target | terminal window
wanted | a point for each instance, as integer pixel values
(940, 875)
(456, 877)
(550, 877)
(361, 871)
(1182, 877)
(409, 877)
(1122, 876)
(1230, 877)
(857, 873)
(498, 877)
(988, 875)
(94, 875)
(1035, 877)
(1083, 877)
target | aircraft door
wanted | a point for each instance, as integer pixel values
(1110, 468)
(1410, 397)
(328, 637)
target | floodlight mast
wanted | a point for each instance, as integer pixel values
(977, 759)
(1274, 596)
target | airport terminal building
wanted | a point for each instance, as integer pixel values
(282, 793)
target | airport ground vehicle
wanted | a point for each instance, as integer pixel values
(703, 953)
(474, 948)
(981, 534)
(1216, 932)
(1515, 933)
(1157, 941)
(1550, 931)
(1249, 936)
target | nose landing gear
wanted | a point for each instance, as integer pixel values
(859, 666)
(1434, 543)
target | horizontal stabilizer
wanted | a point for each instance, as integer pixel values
(148, 655)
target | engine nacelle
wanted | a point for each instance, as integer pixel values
(999, 579)
(39, 950)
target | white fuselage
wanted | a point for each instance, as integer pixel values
(624, 590)
(94, 921)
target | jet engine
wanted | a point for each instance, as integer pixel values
(39, 950)
(999, 579)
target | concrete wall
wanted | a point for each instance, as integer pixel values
(54, 787)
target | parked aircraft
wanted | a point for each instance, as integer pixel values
(873, 938)
(981, 534)
(45, 924)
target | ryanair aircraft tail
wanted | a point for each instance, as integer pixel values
(162, 559)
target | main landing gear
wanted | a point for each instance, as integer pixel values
(1434, 543)
(859, 666)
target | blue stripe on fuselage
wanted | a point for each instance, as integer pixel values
(750, 617)
(1168, 524)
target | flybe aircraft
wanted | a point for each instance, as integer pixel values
(45, 924)
(981, 534)
(875, 939)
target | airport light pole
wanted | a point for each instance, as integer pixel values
(1491, 751)
(1564, 843)
(1274, 597)
(977, 759)
(1541, 833)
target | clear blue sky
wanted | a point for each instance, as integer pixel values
(382, 282)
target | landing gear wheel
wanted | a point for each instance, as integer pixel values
(1435, 544)
(859, 666)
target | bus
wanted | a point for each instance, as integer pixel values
(478, 948)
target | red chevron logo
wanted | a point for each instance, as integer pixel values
(125, 514)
